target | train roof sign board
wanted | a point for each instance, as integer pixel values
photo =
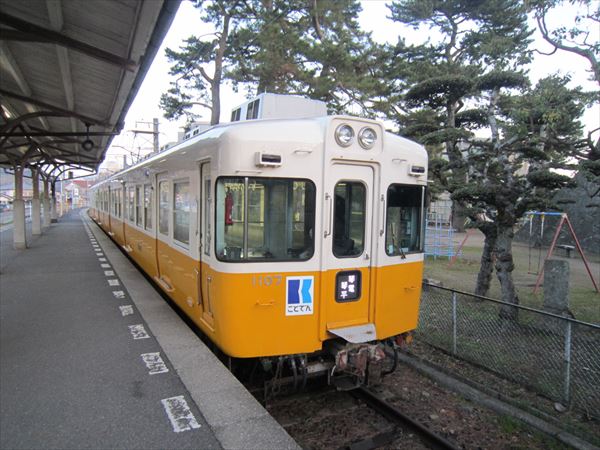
(70, 71)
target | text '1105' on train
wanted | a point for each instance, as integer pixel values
(290, 236)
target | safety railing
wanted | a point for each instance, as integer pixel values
(556, 356)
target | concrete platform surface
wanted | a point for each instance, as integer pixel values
(92, 357)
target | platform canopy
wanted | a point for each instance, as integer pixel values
(69, 71)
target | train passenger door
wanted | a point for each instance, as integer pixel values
(203, 274)
(346, 283)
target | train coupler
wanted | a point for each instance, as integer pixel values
(356, 365)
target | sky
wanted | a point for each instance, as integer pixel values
(373, 18)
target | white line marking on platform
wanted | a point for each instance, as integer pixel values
(114, 282)
(105, 266)
(154, 363)
(138, 331)
(119, 294)
(109, 273)
(179, 414)
(126, 310)
(102, 259)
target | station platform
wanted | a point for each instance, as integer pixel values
(91, 356)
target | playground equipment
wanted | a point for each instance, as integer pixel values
(439, 232)
(540, 266)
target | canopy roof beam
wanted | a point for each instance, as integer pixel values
(26, 31)
(66, 112)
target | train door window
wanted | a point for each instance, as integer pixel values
(181, 211)
(139, 218)
(113, 202)
(404, 219)
(349, 217)
(148, 206)
(131, 204)
(163, 207)
(206, 215)
(119, 202)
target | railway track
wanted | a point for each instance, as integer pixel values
(401, 422)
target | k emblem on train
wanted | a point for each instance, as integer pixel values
(299, 296)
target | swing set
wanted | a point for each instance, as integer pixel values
(540, 265)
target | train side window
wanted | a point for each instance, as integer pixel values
(265, 219)
(349, 218)
(230, 218)
(148, 206)
(181, 211)
(131, 204)
(163, 207)
(139, 218)
(404, 219)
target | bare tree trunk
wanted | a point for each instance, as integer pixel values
(484, 277)
(504, 269)
(215, 85)
(459, 216)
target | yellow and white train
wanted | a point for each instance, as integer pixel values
(281, 237)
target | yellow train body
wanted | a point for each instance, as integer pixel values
(274, 238)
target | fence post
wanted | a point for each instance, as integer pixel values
(453, 322)
(567, 369)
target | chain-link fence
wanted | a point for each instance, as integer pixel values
(556, 356)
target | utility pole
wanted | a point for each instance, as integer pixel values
(154, 133)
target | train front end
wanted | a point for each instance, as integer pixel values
(319, 244)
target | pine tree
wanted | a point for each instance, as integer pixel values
(438, 75)
(577, 39)
(312, 48)
(194, 85)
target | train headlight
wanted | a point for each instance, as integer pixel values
(367, 138)
(344, 135)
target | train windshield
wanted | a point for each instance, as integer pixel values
(264, 219)
(404, 219)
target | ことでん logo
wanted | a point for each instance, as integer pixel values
(299, 296)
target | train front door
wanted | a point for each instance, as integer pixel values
(347, 249)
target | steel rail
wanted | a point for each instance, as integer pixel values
(390, 412)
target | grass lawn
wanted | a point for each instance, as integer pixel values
(584, 301)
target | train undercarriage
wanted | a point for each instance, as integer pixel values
(341, 364)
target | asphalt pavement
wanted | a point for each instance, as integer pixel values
(79, 366)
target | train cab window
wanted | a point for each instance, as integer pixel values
(139, 218)
(148, 206)
(163, 207)
(181, 212)
(264, 219)
(349, 219)
(404, 219)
